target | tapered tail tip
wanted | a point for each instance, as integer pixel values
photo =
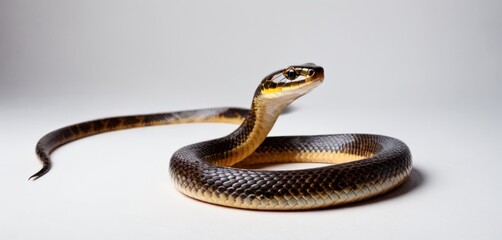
(39, 174)
(33, 177)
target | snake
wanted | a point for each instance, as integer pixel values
(221, 171)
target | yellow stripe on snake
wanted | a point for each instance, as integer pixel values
(362, 165)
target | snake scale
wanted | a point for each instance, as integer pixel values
(214, 171)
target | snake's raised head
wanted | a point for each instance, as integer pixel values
(291, 82)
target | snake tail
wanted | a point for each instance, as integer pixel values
(57, 138)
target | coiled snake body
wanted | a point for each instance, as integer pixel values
(363, 165)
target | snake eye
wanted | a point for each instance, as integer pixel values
(290, 74)
(311, 72)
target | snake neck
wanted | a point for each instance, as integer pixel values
(250, 134)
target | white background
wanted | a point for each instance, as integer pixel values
(426, 72)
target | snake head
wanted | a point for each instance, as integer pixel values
(291, 82)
